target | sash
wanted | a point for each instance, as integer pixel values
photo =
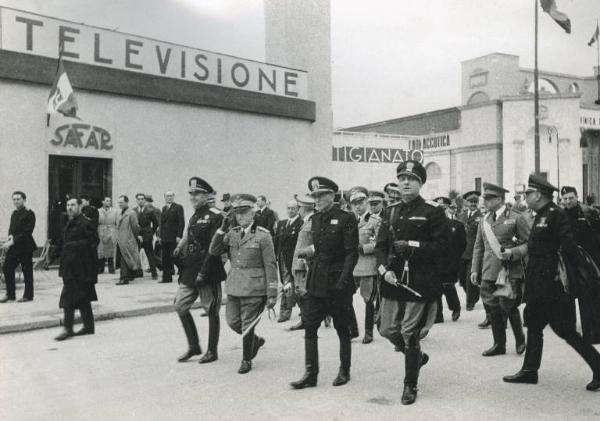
(491, 237)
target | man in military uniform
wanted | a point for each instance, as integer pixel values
(148, 225)
(252, 280)
(300, 265)
(376, 202)
(451, 265)
(330, 283)
(202, 273)
(501, 247)
(547, 300)
(411, 242)
(365, 271)
(393, 193)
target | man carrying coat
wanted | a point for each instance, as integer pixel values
(330, 284)
(78, 269)
(128, 253)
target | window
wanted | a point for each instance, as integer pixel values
(434, 172)
(478, 97)
(574, 88)
(478, 184)
(545, 86)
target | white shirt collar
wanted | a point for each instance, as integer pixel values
(291, 220)
(247, 229)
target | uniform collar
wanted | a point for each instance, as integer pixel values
(201, 209)
(292, 220)
(500, 211)
(414, 203)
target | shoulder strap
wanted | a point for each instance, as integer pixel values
(491, 237)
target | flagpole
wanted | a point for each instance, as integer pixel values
(598, 63)
(536, 98)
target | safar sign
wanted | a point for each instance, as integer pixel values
(40, 35)
(81, 137)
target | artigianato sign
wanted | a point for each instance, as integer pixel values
(30, 33)
(374, 155)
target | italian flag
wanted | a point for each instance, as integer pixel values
(549, 6)
(61, 99)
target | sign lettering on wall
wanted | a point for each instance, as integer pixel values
(589, 119)
(40, 35)
(80, 136)
(374, 155)
(430, 142)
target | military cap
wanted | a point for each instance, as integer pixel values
(357, 193)
(568, 189)
(391, 187)
(537, 183)
(226, 197)
(322, 185)
(442, 200)
(471, 193)
(243, 201)
(199, 185)
(376, 196)
(304, 200)
(492, 190)
(293, 203)
(149, 198)
(412, 168)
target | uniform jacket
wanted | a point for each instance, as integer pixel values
(471, 224)
(172, 223)
(266, 218)
(458, 242)
(368, 227)
(147, 221)
(127, 232)
(197, 260)
(585, 223)
(22, 223)
(78, 251)
(509, 226)
(422, 222)
(253, 270)
(335, 240)
(91, 213)
(285, 241)
(107, 232)
(303, 244)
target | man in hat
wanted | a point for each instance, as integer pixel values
(252, 280)
(300, 265)
(202, 273)
(498, 266)
(365, 271)
(547, 300)
(376, 202)
(172, 224)
(148, 225)
(330, 284)
(393, 193)
(411, 242)
(284, 241)
(451, 262)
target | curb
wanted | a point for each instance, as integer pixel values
(46, 324)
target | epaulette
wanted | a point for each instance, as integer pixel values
(216, 211)
(263, 229)
(432, 203)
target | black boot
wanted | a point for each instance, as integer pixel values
(517, 327)
(311, 365)
(591, 357)
(111, 265)
(214, 327)
(439, 316)
(298, 326)
(67, 332)
(412, 363)
(248, 352)
(499, 333)
(87, 317)
(531, 363)
(189, 327)
(369, 322)
(595, 383)
(353, 324)
(101, 263)
(343, 376)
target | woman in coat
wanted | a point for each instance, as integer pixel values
(107, 231)
(78, 270)
(128, 230)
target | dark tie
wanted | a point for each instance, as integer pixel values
(243, 233)
(494, 217)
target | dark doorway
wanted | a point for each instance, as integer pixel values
(70, 177)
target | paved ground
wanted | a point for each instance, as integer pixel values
(127, 371)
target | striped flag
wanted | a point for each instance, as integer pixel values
(549, 6)
(595, 36)
(61, 99)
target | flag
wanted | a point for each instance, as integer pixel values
(549, 6)
(595, 36)
(61, 99)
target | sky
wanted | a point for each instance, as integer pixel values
(390, 58)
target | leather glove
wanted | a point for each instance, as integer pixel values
(390, 278)
(271, 301)
(226, 224)
(401, 246)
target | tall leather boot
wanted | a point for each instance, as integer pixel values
(498, 332)
(369, 322)
(111, 265)
(517, 327)
(531, 363)
(68, 319)
(486, 322)
(248, 347)
(87, 317)
(343, 376)
(591, 357)
(214, 328)
(189, 327)
(412, 363)
(439, 316)
(101, 264)
(311, 365)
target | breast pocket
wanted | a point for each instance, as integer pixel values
(251, 252)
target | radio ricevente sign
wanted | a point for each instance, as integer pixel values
(40, 35)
